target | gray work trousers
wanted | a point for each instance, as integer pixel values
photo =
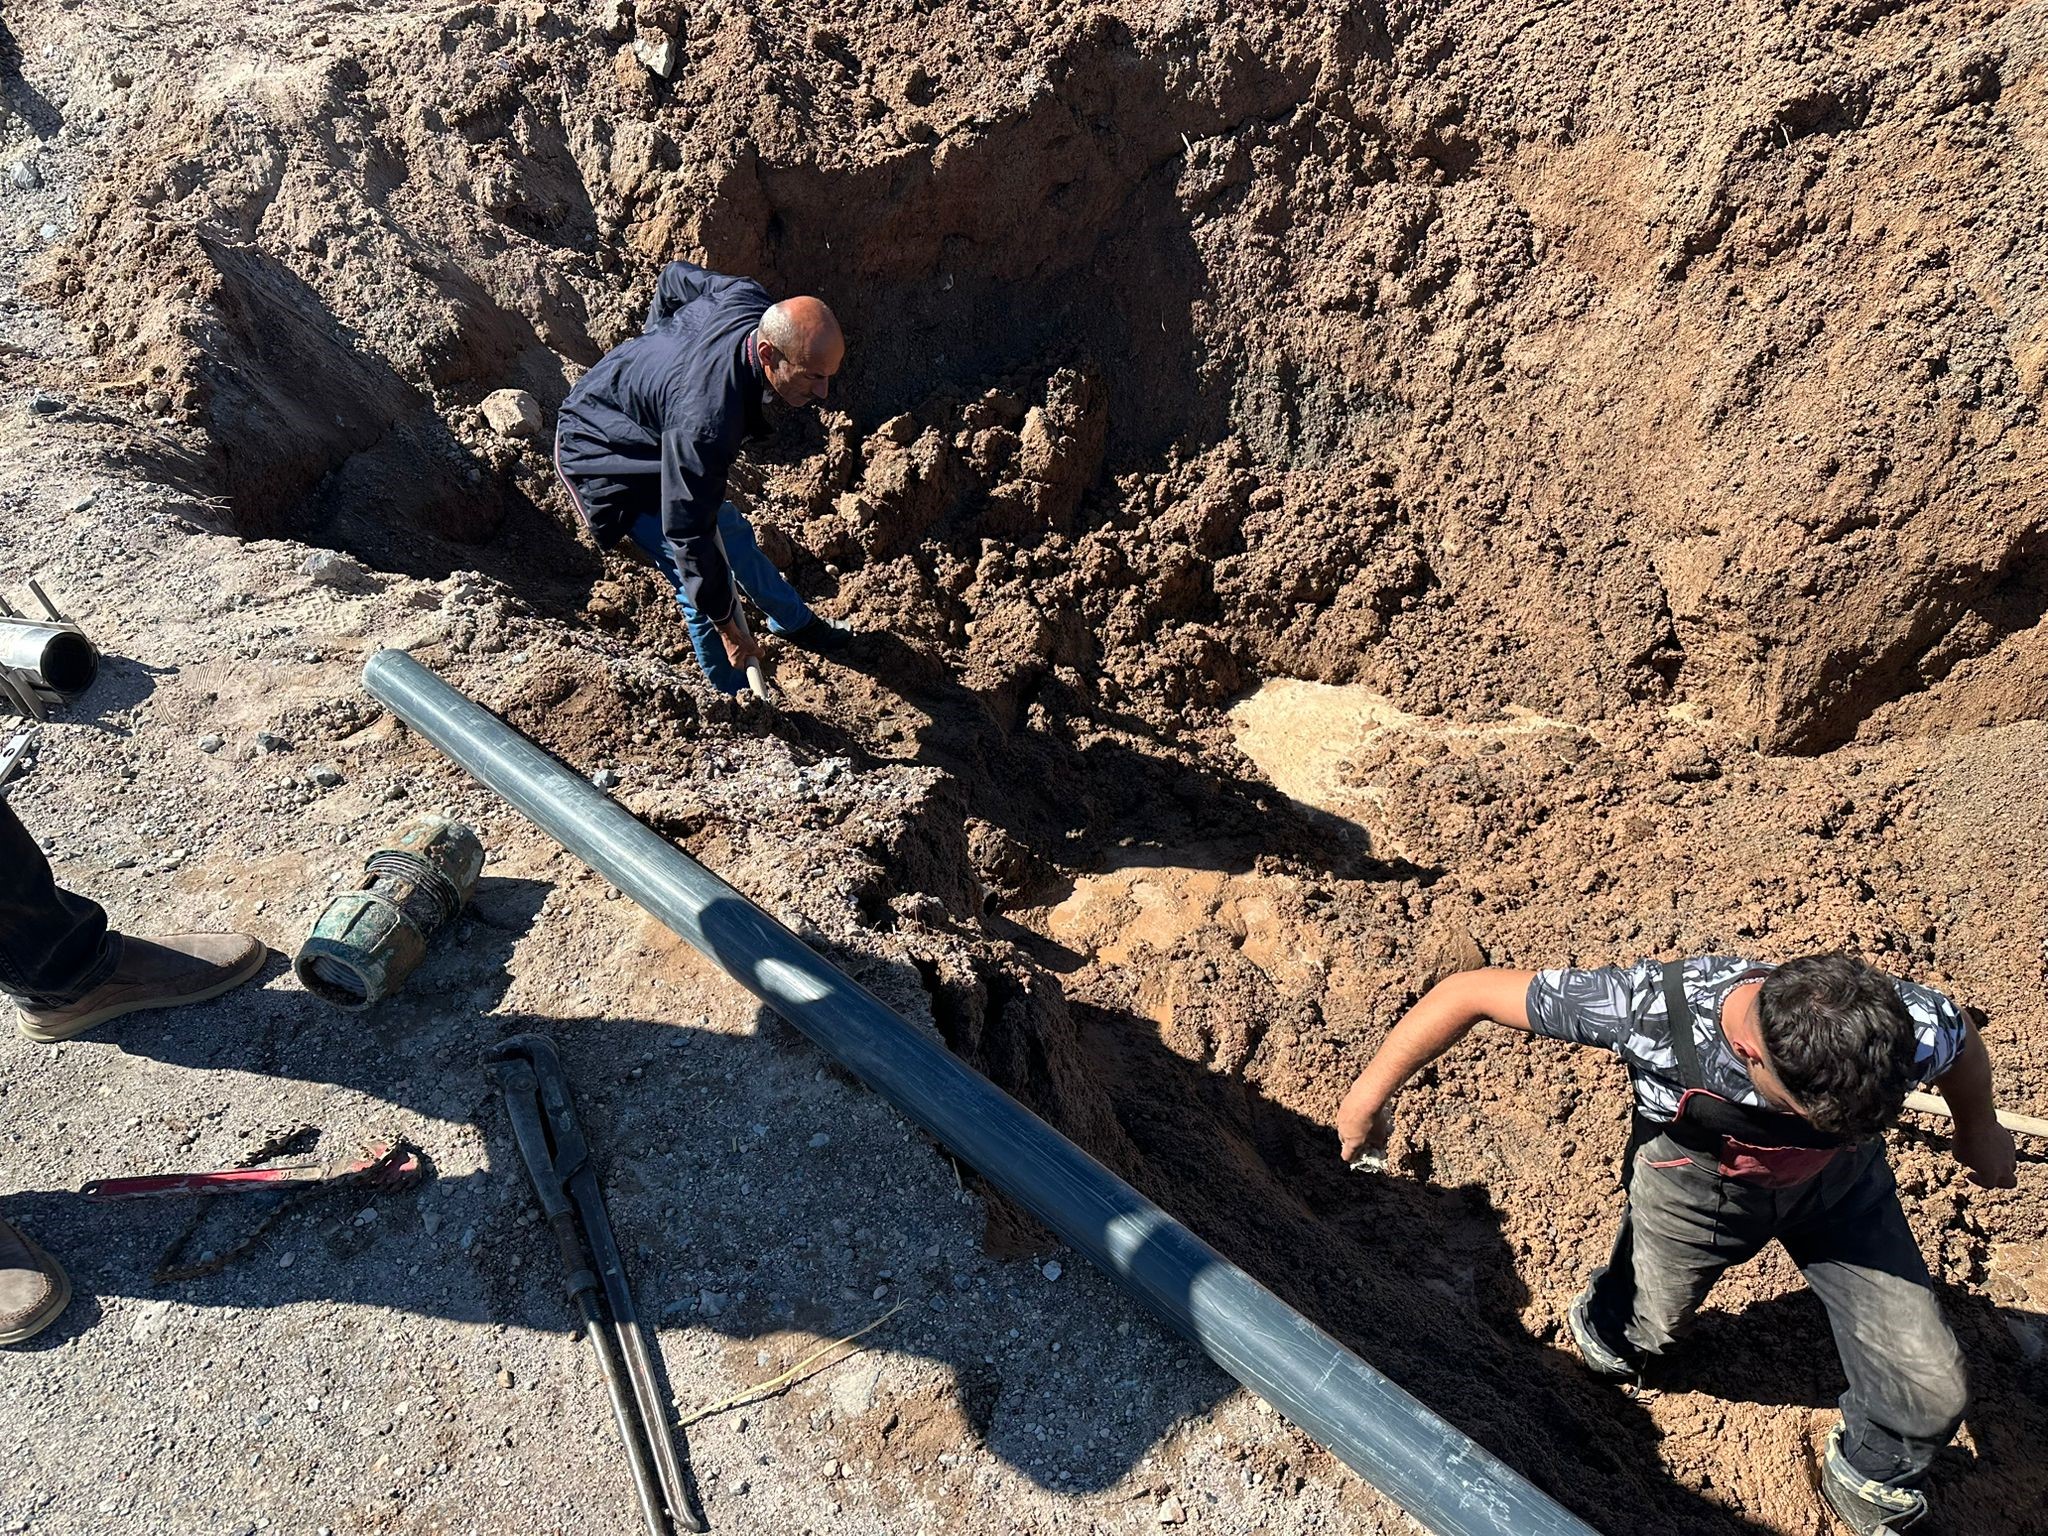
(1685, 1223)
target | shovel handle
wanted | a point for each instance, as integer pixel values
(1928, 1104)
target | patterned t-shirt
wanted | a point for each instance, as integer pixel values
(1620, 1008)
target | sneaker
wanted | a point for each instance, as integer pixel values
(1601, 1358)
(153, 973)
(1866, 1507)
(821, 637)
(33, 1287)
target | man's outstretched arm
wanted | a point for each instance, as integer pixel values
(1444, 1016)
(1982, 1145)
(1438, 1020)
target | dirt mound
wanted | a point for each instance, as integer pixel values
(1487, 384)
(1630, 428)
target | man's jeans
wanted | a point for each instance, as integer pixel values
(756, 575)
(1685, 1223)
(54, 946)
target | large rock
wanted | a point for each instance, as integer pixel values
(656, 50)
(513, 413)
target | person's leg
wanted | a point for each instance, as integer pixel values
(53, 945)
(645, 532)
(1907, 1387)
(1683, 1226)
(758, 577)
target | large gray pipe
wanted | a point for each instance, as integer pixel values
(1440, 1476)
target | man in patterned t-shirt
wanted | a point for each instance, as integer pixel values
(1762, 1119)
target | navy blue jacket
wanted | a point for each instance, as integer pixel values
(675, 402)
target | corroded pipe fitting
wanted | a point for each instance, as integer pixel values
(370, 939)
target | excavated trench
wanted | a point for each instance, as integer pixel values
(1361, 355)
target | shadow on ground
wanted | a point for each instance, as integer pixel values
(707, 1146)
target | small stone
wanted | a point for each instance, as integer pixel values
(84, 503)
(270, 741)
(1172, 1511)
(367, 1216)
(820, 1140)
(331, 568)
(615, 19)
(430, 1222)
(25, 175)
(513, 413)
(49, 231)
(41, 404)
(395, 792)
(710, 1303)
(605, 778)
(1052, 1271)
(286, 1260)
(326, 775)
(656, 50)
(211, 743)
(504, 1378)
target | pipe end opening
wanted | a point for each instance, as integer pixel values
(70, 663)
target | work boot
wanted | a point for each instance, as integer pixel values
(821, 637)
(153, 973)
(1601, 1358)
(33, 1287)
(1868, 1508)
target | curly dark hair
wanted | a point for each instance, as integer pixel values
(1840, 1039)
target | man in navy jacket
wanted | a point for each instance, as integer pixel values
(646, 439)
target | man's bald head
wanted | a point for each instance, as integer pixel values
(801, 348)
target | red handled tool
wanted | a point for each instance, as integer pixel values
(385, 1165)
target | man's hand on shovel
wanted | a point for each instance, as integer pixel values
(745, 652)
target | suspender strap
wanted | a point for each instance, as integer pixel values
(1678, 1018)
(1704, 1116)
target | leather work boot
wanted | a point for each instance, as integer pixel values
(33, 1287)
(153, 973)
(1865, 1507)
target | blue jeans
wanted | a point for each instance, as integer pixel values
(752, 570)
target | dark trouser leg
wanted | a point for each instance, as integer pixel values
(1907, 1389)
(1682, 1227)
(53, 945)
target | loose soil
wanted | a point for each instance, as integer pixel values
(1335, 494)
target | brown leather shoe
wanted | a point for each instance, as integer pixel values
(154, 973)
(33, 1287)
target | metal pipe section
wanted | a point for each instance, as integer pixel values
(1439, 1475)
(56, 661)
(42, 661)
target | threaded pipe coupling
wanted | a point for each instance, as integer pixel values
(370, 939)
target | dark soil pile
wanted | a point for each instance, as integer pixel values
(1675, 376)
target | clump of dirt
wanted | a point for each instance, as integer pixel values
(1627, 436)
